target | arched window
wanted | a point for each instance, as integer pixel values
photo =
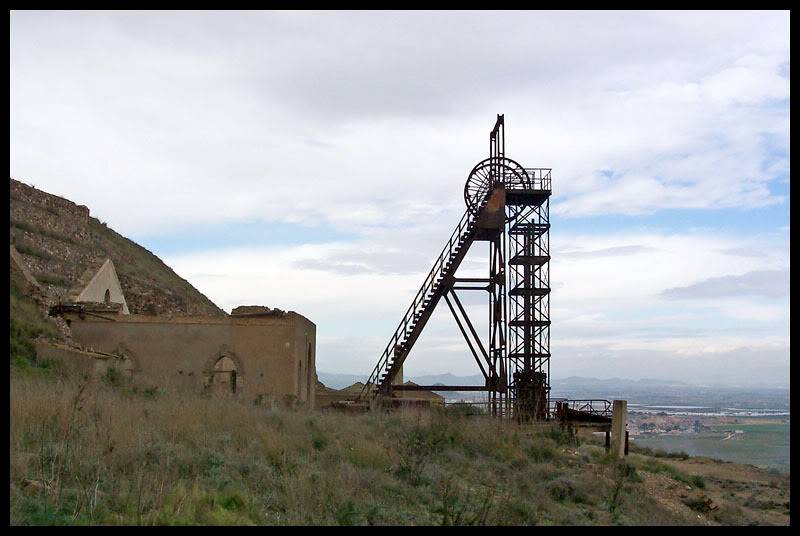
(107, 298)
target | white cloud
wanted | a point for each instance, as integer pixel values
(369, 123)
(607, 304)
(205, 117)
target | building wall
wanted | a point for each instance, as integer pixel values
(306, 355)
(181, 353)
(76, 361)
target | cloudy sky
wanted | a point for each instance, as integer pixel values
(315, 162)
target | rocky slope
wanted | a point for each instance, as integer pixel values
(57, 239)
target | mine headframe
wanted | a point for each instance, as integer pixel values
(508, 207)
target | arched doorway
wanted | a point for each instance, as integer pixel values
(128, 367)
(126, 361)
(225, 376)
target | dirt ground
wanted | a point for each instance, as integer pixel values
(733, 493)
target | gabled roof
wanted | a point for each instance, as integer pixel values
(99, 276)
(83, 281)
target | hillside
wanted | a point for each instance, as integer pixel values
(111, 452)
(58, 239)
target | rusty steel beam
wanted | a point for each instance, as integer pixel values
(440, 388)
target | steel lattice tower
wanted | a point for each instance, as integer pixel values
(508, 207)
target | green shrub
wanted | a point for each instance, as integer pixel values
(563, 488)
(232, 501)
(563, 436)
(28, 250)
(113, 376)
(319, 441)
(50, 279)
(681, 455)
(697, 481)
(541, 451)
(346, 514)
(464, 409)
(654, 466)
(696, 503)
(458, 508)
(416, 449)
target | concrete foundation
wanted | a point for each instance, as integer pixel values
(619, 421)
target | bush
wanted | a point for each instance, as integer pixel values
(563, 436)
(417, 448)
(54, 280)
(28, 250)
(654, 466)
(346, 514)
(697, 502)
(623, 472)
(319, 441)
(464, 509)
(697, 481)
(541, 451)
(464, 409)
(22, 349)
(563, 488)
(680, 455)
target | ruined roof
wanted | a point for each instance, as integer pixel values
(430, 395)
(255, 310)
(100, 307)
(83, 281)
(355, 388)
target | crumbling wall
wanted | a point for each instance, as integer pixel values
(181, 353)
(101, 286)
(78, 362)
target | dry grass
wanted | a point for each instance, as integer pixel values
(89, 452)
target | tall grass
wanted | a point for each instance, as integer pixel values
(93, 451)
(26, 323)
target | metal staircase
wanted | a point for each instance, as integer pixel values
(423, 304)
(507, 207)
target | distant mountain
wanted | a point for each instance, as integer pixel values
(448, 379)
(336, 380)
(339, 380)
(642, 391)
(574, 381)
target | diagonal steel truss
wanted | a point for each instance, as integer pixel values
(511, 213)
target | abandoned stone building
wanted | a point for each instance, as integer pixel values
(119, 306)
(257, 353)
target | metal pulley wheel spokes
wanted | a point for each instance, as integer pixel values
(487, 174)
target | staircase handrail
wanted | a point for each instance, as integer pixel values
(465, 224)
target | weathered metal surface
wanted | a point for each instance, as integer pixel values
(508, 206)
